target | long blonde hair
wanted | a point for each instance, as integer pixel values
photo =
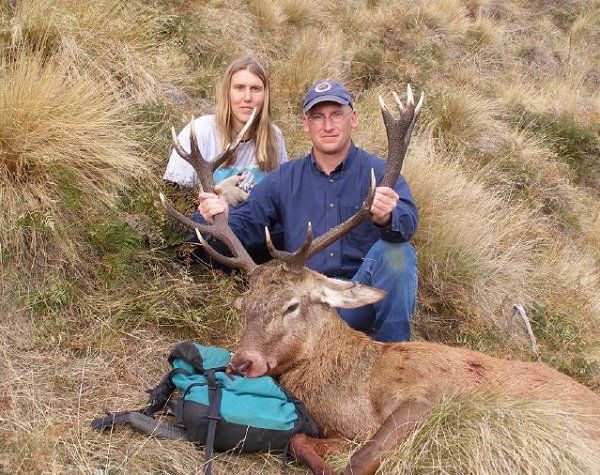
(266, 148)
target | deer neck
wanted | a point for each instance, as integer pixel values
(330, 362)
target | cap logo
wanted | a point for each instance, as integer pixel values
(323, 86)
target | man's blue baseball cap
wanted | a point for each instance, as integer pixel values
(326, 91)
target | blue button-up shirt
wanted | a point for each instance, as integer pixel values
(299, 192)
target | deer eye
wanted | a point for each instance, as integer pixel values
(292, 308)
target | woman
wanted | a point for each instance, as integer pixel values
(244, 86)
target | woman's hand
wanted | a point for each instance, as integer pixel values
(231, 192)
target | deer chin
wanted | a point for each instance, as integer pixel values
(259, 369)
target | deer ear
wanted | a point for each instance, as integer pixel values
(346, 294)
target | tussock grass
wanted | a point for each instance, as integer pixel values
(65, 154)
(593, 237)
(445, 16)
(314, 55)
(301, 13)
(463, 118)
(525, 168)
(565, 314)
(268, 14)
(492, 433)
(480, 260)
(560, 113)
(124, 44)
(484, 434)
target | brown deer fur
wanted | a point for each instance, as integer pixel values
(357, 388)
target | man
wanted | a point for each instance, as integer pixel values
(326, 187)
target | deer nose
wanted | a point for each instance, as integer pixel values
(239, 368)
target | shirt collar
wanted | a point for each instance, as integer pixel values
(345, 164)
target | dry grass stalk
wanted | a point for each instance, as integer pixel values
(445, 16)
(315, 55)
(300, 13)
(463, 118)
(486, 252)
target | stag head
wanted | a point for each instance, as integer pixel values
(287, 312)
(289, 307)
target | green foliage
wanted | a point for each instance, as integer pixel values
(563, 343)
(574, 143)
(368, 65)
(67, 186)
(117, 246)
(52, 297)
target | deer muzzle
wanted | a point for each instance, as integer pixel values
(251, 365)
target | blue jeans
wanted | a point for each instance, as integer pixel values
(391, 267)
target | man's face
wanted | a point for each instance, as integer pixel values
(330, 127)
(246, 92)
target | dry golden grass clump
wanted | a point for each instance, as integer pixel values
(65, 155)
(124, 44)
(268, 14)
(462, 118)
(477, 263)
(485, 434)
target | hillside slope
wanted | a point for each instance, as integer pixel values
(94, 283)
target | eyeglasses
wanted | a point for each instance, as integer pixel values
(335, 117)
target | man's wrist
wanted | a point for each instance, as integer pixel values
(383, 223)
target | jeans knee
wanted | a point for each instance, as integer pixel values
(395, 257)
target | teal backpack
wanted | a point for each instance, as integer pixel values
(215, 409)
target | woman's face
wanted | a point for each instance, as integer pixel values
(246, 92)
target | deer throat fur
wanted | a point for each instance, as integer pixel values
(333, 381)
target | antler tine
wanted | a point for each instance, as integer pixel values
(245, 264)
(410, 99)
(292, 261)
(233, 145)
(219, 230)
(397, 99)
(334, 234)
(399, 132)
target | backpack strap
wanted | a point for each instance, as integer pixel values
(157, 400)
(214, 407)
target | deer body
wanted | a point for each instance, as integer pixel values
(353, 386)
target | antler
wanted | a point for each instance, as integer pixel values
(220, 229)
(399, 132)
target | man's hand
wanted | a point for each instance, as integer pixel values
(231, 192)
(383, 204)
(210, 205)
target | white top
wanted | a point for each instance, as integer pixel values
(209, 142)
